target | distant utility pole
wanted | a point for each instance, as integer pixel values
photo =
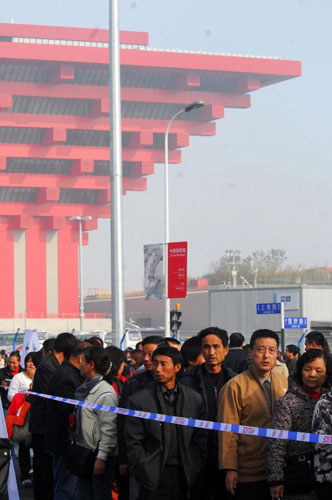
(234, 259)
(80, 264)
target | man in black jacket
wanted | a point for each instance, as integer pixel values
(140, 378)
(64, 345)
(166, 459)
(64, 381)
(207, 379)
(236, 355)
(132, 385)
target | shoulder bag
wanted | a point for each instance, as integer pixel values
(80, 461)
(299, 473)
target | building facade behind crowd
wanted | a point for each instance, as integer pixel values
(148, 460)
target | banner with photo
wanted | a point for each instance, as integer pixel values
(154, 271)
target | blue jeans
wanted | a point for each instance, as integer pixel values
(64, 484)
(97, 487)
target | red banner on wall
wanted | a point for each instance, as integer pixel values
(177, 269)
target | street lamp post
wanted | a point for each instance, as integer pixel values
(118, 314)
(190, 107)
(80, 263)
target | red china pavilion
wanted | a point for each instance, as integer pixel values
(54, 141)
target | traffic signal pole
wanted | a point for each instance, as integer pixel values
(174, 319)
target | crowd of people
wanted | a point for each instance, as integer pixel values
(83, 453)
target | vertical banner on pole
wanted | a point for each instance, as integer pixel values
(177, 269)
(154, 271)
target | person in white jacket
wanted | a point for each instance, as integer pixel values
(22, 381)
(96, 430)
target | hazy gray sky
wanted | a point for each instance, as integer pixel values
(264, 181)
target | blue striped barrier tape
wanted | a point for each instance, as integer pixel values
(305, 437)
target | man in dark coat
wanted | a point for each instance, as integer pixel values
(141, 378)
(64, 381)
(42, 462)
(166, 459)
(236, 355)
(207, 379)
(292, 354)
(132, 385)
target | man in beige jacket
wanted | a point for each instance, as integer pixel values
(248, 399)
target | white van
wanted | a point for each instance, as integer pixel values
(130, 338)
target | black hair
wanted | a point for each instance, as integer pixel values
(95, 341)
(48, 345)
(171, 340)
(100, 358)
(153, 339)
(264, 333)
(190, 350)
(117, 357)
(214, 330)
(80, 347)
(27, 358)
(319, 339)
(65, 343)
(37, 357)
(137, 356)
(171, 352)
(309, 356)
(16, 354)
(293, 349)
(236, 339)
(138, 344)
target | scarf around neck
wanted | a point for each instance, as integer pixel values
(81, 394)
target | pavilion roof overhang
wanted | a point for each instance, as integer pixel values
(54, 107)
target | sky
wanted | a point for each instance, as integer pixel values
(264, 181)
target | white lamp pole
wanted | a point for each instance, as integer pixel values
(80, 264)
(118, 308)
(190, 107)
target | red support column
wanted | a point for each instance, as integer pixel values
(36, 270)
(68, 269)
(6, 269)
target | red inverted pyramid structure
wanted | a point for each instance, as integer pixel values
(54, 137)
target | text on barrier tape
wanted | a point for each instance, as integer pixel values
(201, 424)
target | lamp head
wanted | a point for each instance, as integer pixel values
(80, 218)
(194, 105)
